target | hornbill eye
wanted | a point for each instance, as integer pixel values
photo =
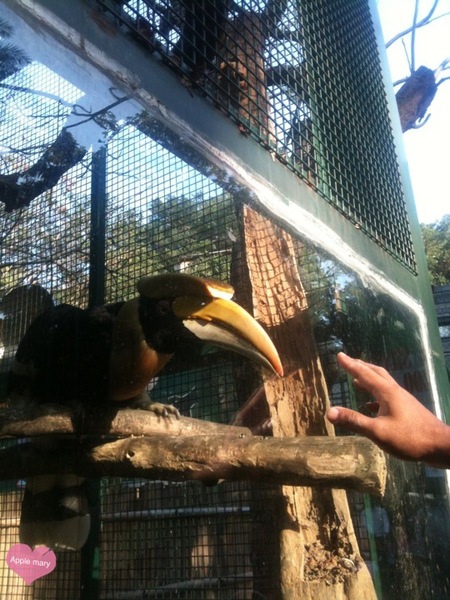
(163, 308)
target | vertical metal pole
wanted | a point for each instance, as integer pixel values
(90, 553)
(98, 226)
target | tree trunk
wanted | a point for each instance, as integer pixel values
(242, 80)
(319, 555)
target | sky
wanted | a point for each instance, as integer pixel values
(427, 148)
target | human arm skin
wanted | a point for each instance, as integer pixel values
(402, 427)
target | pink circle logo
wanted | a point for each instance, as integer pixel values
(31, 564)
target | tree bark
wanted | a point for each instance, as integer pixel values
(242, 86)
(315, 529)
(57, 420)
(17, 190)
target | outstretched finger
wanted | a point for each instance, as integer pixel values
(367, 376)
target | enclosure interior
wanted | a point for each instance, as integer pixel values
(97, 193)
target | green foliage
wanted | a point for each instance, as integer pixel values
(436, 237)
(12, 58)
(48, 243)
(182, 233)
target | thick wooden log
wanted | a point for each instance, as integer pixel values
(315, 524)
(347, 462)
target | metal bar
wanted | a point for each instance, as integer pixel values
(89, 569)
(97, 231)
(171, 513)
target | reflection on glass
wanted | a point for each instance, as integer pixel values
(406, 537)
(165, 208)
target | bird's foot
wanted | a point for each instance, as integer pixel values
(161, 410)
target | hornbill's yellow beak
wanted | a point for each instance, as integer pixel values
(206, 309)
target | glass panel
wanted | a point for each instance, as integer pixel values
(404, 538)
(90, 175)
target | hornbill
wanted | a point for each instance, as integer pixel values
(88, 358)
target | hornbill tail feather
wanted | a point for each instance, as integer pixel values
(55, 512)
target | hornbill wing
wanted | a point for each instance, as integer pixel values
(63, 358)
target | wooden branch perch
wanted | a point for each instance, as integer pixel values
(191, 449)
(56, 420)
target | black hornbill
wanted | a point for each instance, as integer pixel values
(89, 358)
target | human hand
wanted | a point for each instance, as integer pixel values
(403, 426)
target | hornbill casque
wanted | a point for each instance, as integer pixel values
(90, 359)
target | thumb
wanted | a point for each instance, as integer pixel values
(350, 419)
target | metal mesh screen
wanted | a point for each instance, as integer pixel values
(131, 209)
(392, 532)
(44, 258)
(303, 79)
(47, 242)
(177, 218)
(180, 540)
(138, 206)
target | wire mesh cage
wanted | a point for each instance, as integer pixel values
(97, 196)
(117, 215)
(304, 80)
